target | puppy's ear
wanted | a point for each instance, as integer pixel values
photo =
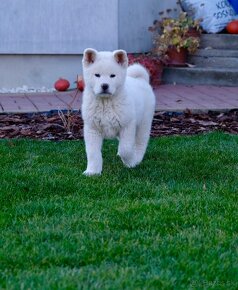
(121, 57)
(89, 56)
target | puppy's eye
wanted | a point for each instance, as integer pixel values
(112, 76)
(97, 75)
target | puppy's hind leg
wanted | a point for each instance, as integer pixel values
(126, 145)
(141, 141)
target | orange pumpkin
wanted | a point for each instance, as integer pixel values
(232, 27)
(80, 83)
(62, 85)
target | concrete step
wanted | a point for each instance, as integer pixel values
(201, 76)
(219, 41)
(217, 52)
(214, 62)
(217, 58)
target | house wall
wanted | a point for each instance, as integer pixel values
(42, 40)
(133, 23)
(57, 26)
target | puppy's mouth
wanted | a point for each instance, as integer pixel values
(104, 95)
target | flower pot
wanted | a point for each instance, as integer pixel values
(193, 32)
(175, 57)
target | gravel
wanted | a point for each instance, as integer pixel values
(26, 89)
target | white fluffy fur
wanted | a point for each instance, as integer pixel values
(125, 110)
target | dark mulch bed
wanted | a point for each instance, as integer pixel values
(50, 126)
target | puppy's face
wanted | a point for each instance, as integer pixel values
(104, 72)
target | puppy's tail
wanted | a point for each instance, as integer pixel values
(138, 71)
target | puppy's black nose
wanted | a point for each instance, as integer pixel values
(105, 87)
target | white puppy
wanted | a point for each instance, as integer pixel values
(117, 102)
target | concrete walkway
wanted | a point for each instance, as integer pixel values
(175, 98)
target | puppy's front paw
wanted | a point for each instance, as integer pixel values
(129, 163)
(128, 160)
(91, 173)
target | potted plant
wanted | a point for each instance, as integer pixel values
(175, 38)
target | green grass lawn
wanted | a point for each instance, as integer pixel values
(170, 223)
